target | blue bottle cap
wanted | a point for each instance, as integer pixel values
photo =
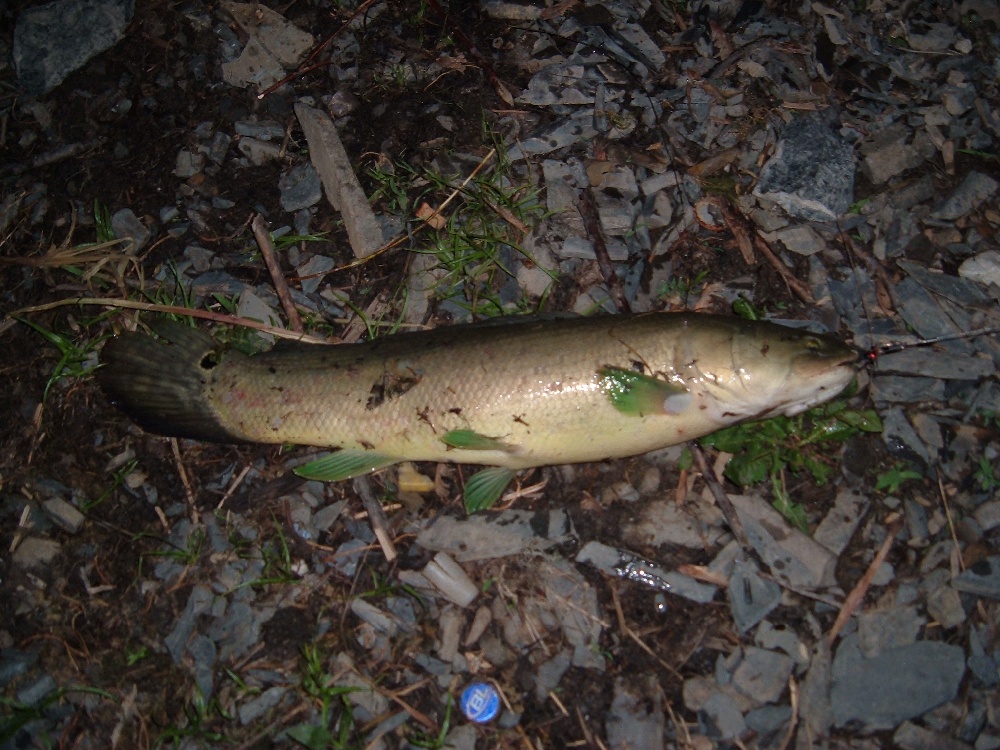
(480, 702)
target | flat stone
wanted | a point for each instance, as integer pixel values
(814, 697)
(987, 514)
(253, 710)
(901, 389)
(981, 579)
(971, 193)
(811, 174)
(339, 181)
(838, 526)
(882, 164)
(664, 522)
(259, 152)
(14, 663)
(800, 239)
(888, 627)
(911, 737)
(900, 437)
(462, 737)
(284, 40)
(898, 684)
(199, 601)
(791, 555)
(635, 720)
(983, 268)
(35, 552)
(565, 133)
(762, 675)
(485, 537)
(549, 673)
(300, 187)
(723, 717)
(314, 268)
(945, 606)
(563, 181)
(751, 598)
(926, 362)
(64, 514)
(36, 691)
(54, 39)
(127, 226)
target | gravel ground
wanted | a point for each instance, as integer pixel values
(829, 166)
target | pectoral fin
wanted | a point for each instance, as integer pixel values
(485, 487)
(639, 395)
(344, 464)
(471, 440)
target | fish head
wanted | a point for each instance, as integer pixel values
(769, 370)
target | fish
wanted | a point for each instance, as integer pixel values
(529, 393)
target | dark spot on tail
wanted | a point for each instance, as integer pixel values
(209, 361)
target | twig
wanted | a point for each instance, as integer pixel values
(56, 155)
(638, 641)
(592, 221)
(797, 287)
(733, 217)
(307, 64)
(128, 304)
(233, 485)
(793, 699)
(376, 516)
(739, 227)
(175, 446)
(857, 594)
(425, 221)
(721, 498)
(951, 521)
(263, 236)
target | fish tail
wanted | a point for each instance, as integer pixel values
(163, 384)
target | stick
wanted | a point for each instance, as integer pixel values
(376, 516)
(725, 504)
(128, 304)
(267, 249)
(861, 588)
(593, 224)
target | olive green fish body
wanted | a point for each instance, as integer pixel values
(508, 395)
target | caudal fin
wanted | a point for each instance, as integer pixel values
(162, 384)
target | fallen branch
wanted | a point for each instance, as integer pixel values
(857, 595)
(128, 304)
(592, 222)
(263, 236)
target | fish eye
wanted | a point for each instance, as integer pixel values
(812, 343)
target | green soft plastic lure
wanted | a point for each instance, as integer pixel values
(506, 396)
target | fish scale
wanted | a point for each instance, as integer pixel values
(523, 394)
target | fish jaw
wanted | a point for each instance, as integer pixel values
(815, 378)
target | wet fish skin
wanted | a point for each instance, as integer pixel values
(518, 395)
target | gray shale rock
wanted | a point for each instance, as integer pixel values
(53, 40)
(811, 174)
(897, 684)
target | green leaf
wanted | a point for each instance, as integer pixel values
(745, 471)
(485, 487)
(473, 441)
(866, 421)
(729, 440)
(345, 464)
(311, 736)
(745, 309)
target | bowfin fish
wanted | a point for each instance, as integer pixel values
(530, 393)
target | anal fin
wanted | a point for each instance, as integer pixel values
(344, 464)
